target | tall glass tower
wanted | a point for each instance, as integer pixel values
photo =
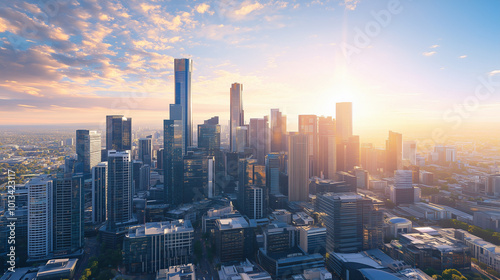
(88, 149)
(183, 69)
(118, 133)
(237, 117)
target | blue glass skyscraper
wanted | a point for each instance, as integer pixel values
(183, 69)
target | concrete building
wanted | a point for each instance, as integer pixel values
(154, 246)
(178, 272)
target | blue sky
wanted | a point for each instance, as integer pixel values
(76, 61)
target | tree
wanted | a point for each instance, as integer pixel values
(452, 274)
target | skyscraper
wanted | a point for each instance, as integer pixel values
(344, 121)
(273, 169)
(259, 138)
(183, 69)
(88, 150)
(394, 153)
(308, 125)
(174, 149)
(119, 188)
(99, 192)
(327, 165)
(298, 168)
(277, 128)
(237, 117)
(352, 222)
(118, 133)
(68, 214)
(145, 150)
(352, 153)
(40, 217)
(410, 151)
(209, 136)
(241, 138)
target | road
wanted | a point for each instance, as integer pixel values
(91, 250)
(204, 269)
(483, 272)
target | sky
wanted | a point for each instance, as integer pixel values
(405, 65)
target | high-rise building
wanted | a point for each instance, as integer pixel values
(144, 178)
(280, 237)
(352, 153)
(88, 150)
(273, 169)
(153, 246)
(394, 153)
(198, 177)
(327, 165)
(118, 133)
(344, 121)
(352, 222)
(308, 125)
(298, 167)
(68, 214)
(173, 151)
(343, 133)
(209, 136)
(410, 151)
(40, 217)
(145, 150)
(99, 192)
(278, 131)
(259, 138)
(252, 195)
(313, 239)
(119, 206)
(237, 117)
(241, 138)
(183, 69)
(232, 239)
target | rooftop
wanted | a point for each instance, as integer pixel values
(232, 223)
(158, 228)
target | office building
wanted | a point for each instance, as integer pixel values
(88, 150)
(177, 272)
(241, 139)
(119, 206)
(308, 125)
(146, 150)
(233, 240)
(394, 153)
(352, 153)
(40, 217)
(258, 138)
(361, 178)
(273, 169)
(485, 252)
(144, 178)
(352, 222)
(237, 117)
(318, 186)
(397, 226)
(244, 270)
(174, 150)
(410, 152)
(68, 214)
(344, 121)
(99, 192)
(298, 167)
(313, 239)
(199, 174)
(118, 133)
(278, 131)
(432, 248)
(153, 246)
(284, 265)
(327, 164)
(280, 237)
(252, 194)
(209, 136)
(183, 68)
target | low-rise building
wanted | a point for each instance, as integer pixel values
(483, 251)
(178, 272)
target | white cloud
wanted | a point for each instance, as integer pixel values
(428, 53)
(204, 8)
(434, 46)
(248, 8)
(494, 72)
(351, 4)
(462, 56)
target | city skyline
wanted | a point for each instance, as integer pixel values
(130, 71)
